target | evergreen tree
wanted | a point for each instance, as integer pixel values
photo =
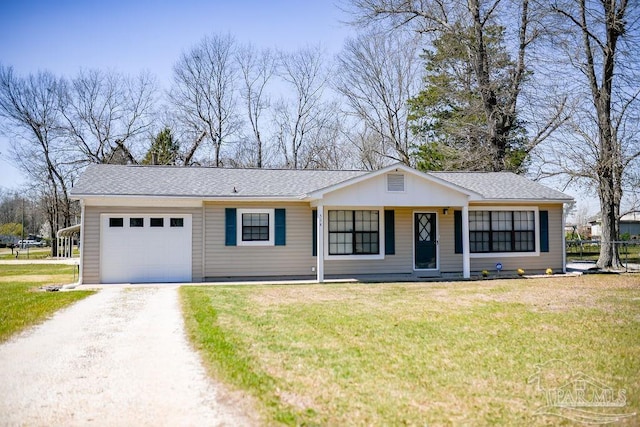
(450, 113)
(164, 147)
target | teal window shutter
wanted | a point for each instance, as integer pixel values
(544, 231)
(389, 232)
(314, 232)
(230, 226)
(457, 225)
(280, 227)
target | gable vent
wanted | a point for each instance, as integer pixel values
(395, 182)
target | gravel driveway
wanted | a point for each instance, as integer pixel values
(119, 357)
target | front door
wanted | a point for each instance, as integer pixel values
(425, 242)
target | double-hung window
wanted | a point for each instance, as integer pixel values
(354, 232)
(502, 231)
(255, 227)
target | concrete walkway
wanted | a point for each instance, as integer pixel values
(119, 357)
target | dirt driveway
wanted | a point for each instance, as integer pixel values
(119, 357)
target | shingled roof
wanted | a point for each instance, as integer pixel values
(501, 186)
(174, 181)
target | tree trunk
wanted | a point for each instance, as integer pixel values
(609, 257)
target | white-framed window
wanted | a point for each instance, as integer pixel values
(505, 231)
(255, 227)
(354, 232)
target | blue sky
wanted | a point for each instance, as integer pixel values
(64, 36)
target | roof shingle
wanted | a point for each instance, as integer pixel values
(203, 181)
(501, 185)
(174, 181)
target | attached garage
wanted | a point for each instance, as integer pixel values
(164, 224)
(149, 248)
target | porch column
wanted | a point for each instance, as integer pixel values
(564, 242)
(81, 243)
(466, 260)
(320, 243)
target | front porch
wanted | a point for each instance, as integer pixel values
(414, 244)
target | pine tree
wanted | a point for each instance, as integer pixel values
(164, 148)
(450, 113)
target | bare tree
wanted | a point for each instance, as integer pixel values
(106, 113)
(377, 74)
(204, 95)
(473, 23)
(258, 69)
(599, 39)
(325, 147)
(29, 107)
(304, 113)
(366, 147)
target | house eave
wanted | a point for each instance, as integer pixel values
(182, 196)
(174, 200)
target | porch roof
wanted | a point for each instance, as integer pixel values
(69, 231)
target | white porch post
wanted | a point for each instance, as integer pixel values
(466, 259)
(320, 243)
(81, 243)
(564, 242)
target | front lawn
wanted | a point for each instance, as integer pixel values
(22, 304)
(26, 253)
(465, 353)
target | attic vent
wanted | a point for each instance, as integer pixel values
(395, 182)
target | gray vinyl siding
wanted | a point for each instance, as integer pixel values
(450, 261)
(91, 241)
(293, 259)
(91, 246)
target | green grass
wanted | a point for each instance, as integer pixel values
(31, 253)
(590, 252)
(22, 304)
(416, 354)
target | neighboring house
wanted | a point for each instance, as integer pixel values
(596, 228)
(7, 239)
(629, 224)
(175, 224)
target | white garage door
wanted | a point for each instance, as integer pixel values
(145, 248)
